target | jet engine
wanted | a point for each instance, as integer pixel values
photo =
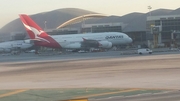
(5, 50)
(28, 41)
(74, 46)
(105, 44)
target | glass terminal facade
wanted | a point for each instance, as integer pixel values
(164, 25)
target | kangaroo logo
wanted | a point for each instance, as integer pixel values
(36, 32)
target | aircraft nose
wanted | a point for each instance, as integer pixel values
(130, 40)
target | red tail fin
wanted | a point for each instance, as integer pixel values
(35, 32)
(32, 28)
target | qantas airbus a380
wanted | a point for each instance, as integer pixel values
(72, 41)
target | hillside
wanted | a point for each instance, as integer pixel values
(134, 21)
(53, 18)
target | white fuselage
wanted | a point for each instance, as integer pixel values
(9, 45)
(73, 41)
(115, 38)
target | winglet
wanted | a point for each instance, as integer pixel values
(84, 39)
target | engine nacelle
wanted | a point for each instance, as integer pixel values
(74, 46)
(1, 49)
(105, 44)
(5, 50)
(28, 41)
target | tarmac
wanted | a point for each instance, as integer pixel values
(122, 76)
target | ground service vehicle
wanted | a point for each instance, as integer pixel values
(144, 51)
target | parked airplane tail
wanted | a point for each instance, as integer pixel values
(31, 27)
(36, 33)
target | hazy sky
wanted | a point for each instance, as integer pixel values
(9, 9)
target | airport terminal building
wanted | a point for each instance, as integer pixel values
(164, 29)
(102, 27)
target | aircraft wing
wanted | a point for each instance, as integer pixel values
(96, 43)
(31, 41)
(89, 43)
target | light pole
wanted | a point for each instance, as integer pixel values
(149, 7)
(45, 27)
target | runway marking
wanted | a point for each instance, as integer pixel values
(12, 93)
(95, 95)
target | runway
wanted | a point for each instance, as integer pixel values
(91, 70)
(150, 71)
(165, 96)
